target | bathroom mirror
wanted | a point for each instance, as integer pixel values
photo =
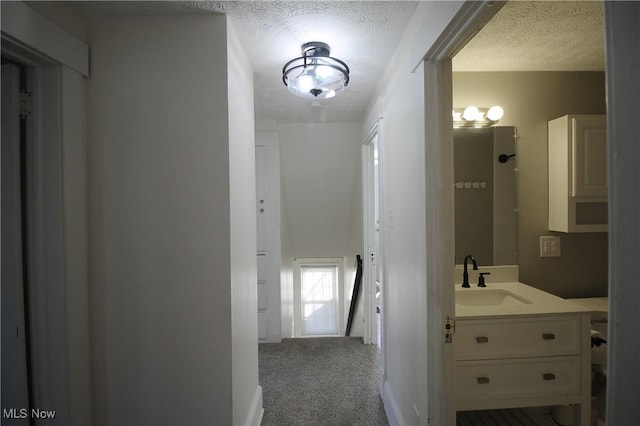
(485, 195)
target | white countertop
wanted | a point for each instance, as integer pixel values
(542, 303)
(595, 304)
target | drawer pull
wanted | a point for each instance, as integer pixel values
(548, 336)
(483, 380)
(549, 376)
(482, 339)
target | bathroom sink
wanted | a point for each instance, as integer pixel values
(509, 298)
(489, 297)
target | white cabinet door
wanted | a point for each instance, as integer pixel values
(577, 149)
(589, 157)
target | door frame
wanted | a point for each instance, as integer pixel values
(437, 75)
(370, 334)
(46, 303)
(15, 325)
(621, 36)
(368, 223)
(56, 64)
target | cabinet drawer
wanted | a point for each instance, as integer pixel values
(517, 338)
(520, 378)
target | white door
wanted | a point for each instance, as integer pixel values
(14, 355)
(263, 293)
(268, 242)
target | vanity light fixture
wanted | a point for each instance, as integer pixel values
(473, 116)
(315, 74)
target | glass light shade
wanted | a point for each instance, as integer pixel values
(315, 81)
(315, 75)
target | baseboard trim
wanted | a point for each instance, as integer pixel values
(391, 407)
(254, 417)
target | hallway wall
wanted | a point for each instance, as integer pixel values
(172, 255)
(318, 169)
(400, 102)
(247, 394)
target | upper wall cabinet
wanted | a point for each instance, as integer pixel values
(578, 173)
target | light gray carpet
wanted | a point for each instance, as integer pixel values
(321, 381)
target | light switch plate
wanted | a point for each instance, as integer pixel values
(549, 246)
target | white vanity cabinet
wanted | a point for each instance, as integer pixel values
(523, 361)
(578, 173)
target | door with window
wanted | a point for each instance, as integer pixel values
(318, 301)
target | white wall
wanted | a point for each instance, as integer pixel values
(76, 243)
(166, 321)
(402, 157)
(321, 196)
(247, 394)
(318, 168)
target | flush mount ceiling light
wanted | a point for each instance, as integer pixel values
(473, 116)
(315, 74)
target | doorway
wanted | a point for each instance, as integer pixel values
(373, 239)
(16, 372)
(41, 256)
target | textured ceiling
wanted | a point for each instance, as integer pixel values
(538, 36)
(364, 34)
(523, 36)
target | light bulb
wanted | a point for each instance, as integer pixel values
(471, 113)
(305, 83)
(324, 71)
(495, 113)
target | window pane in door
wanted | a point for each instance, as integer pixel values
(319, 300)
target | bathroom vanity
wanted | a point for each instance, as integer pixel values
(517, 346)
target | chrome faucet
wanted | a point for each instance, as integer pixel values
(465, 274)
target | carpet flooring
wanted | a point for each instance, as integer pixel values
(321, 381)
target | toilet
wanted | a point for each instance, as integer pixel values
(599, 307)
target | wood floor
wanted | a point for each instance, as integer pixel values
(512, 417)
